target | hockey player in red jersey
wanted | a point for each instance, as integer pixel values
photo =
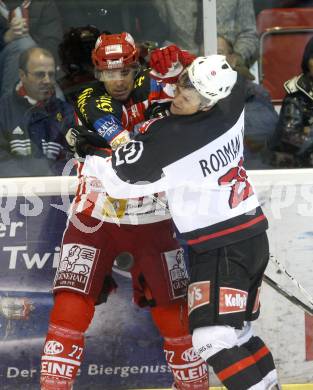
(196, 156)
(101, 227)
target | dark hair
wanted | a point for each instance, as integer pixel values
(25, 56)
(184, 81)
(307, 55)
(76, 47)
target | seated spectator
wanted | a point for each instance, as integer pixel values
(32, 119)
(293, 139)
(260, 115)
(235, 21)
(25, 24)
(75, 55)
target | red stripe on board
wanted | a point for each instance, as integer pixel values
(308, 337)
(227, 231)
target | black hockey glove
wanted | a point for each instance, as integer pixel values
(84, 141)
(158, 110)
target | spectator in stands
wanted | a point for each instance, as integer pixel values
(260, 115)
(32, 119)
(75, 55)
(235, 22)
(25, 24)
(293, 139)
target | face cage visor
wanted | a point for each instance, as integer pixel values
(117, 74)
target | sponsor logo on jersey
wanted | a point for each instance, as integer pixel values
(190, 355)
(178, 276)
(62, 370)
(198, 295)
(232, 300)
(53, 347)
(108, 127)
(76, 267)
(139, 81)
(82, 101)
(104, 103)
(196, 372)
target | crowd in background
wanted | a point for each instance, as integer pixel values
(45, 62)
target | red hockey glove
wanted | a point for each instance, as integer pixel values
(186, 58)
(162, 59)
(168, 62)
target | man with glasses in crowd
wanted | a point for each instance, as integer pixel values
(32, 118)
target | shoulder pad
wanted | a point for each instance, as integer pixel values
(291, 86)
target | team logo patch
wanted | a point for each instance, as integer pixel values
(104, 103)
(53, 347)
(232, 300)
(190, 355)
(198, 295)
(76, 267)
(177, 271)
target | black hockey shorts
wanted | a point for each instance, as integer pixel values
(225, 283)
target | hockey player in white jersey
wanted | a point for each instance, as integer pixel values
(196, 156)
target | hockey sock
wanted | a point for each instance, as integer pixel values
(237, 369)
(61, 358)
(69, 319)
(189, 370)
(264, 359)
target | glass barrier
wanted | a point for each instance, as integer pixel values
(39, 95)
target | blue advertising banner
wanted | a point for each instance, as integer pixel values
(123, 349)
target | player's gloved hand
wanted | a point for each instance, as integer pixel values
(168, 62)
(157, 110)
(84, 141)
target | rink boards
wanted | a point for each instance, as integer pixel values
(123, 348)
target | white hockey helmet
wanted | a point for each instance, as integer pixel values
(212, 77)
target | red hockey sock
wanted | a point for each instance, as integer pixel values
(189, 370)
(61, 358)
(63, 349)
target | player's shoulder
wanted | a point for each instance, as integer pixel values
(95, 98)
(142, 81)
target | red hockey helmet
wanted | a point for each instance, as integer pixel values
(115, 51)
